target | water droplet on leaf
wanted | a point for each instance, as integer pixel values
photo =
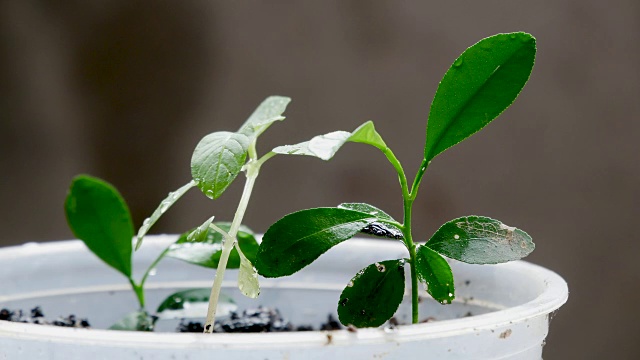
(458, 62)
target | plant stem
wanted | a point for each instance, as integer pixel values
(408, 240)
(139, 291)
(406, 226)
(253, 168)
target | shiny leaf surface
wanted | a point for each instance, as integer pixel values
(373, 295)
(268, 112)
(434, 271)
(480, 240)
(297, 239)
(206, 248)
(217, 160)
(480, 85)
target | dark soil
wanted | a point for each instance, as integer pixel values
(261, 319)
(36, 316)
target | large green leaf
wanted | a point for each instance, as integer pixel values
(98, 215)
(326, 146)
(206, 248)
(268, 112)
(217, 160)
(373, 295)
(297, 239)
(480, 85)
(434, 271)
(162, 208)
(480, 240)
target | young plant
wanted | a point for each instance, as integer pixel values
(478, 86)
(99, 216)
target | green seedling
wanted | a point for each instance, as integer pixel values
(478, 87)
(98, 215)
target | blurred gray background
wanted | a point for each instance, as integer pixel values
(124, 90)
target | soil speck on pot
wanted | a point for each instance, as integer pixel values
(505, 334)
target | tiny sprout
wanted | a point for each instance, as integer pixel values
(478, 87)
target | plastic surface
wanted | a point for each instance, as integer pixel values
(510, 303)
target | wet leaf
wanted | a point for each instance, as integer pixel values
(217, 160)
(480, 240)
(373, 295)
(377, 228)
(135, 321)
(248, 279)
(162, 208)
(98, 215)
(206, 248)
(481, 84)
(434, 271)
(297, 239)
(268, 112)
(326, 146)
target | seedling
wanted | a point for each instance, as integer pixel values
(99, 216)
(478, 87)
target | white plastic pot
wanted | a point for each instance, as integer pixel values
(510, 304)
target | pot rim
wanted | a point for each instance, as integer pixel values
(554, 295)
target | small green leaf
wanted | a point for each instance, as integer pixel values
(248, 279)
(481, 84)
(268, 112)
(326, 146)
(217, 160)
(200, 233)
(322, 146)
(135, 321)
(297, 239)
(193, 303)
(373, 295)
(162, 208)
(367, 134)
(480, 240)
(98, 215)
(434, 271)
(380, 229)
(206, 249)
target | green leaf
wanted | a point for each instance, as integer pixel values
(322, 146)
(373, 295)
(268, 112)
(297, 239)
(326, 146)
(162, 208)
(368, 209)
(480, 240)
(193, 303)
(380, 229)
(434, 271)
(98, 215)
(217, 160)
(206, 249)
(367, 134)
(248, 279)
(135, 321)
(480, 85)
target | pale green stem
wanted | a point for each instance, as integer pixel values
(253, 169)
